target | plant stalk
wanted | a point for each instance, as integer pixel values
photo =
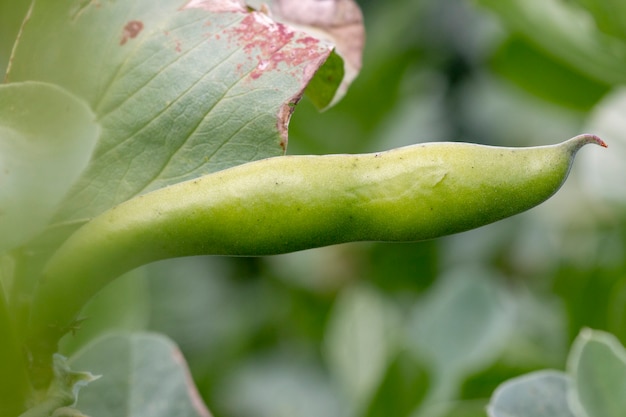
(15, 388)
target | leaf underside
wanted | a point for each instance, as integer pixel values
(144, 374)
(179, 91)
(47, 136)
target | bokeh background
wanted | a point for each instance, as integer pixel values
(428, 328)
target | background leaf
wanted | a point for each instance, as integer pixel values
(607, 119)
(360, 342)
(122, 306)
(598, 365)
(404, 387)
(545, 76)
(279, 386)
(180, 91)
(457, 329)
(47, 136)
(609, 15)
(12, 14)
(458, 322)
(540, 394)
(566, 32)
(143, 374)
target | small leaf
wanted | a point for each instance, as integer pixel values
(597, 363)
(46, 139)
(122, 306)
(67, 383)
(322, 90)
(538, 394)
(63, 392)
(340, 22)
(539, 336)
(460, 327)
(279, 385)
(462, 323)
(360, 340)
(142, 375)
(402, 389)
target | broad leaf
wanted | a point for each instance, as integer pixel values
(47, 136)
(142, 375)
(540, 74)
(539, 394)
(12, 14)
(566, 32)
(181, 89)
(598, 365)
(610, 15)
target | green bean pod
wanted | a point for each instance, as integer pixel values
(290, 203)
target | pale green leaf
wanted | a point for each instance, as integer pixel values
(143, 375)
(568, 33)
(62, 395)
(47, 136)
(597, 363)
(539, 394)
(181, 89)
(360, 340)
(541, 74)
(539, 336)
(12, 14)
(603, 178)
(123, 305)
(279, 385)
(460, 327)
(462, 323)
(610, 15)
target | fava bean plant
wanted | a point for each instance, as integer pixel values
(138, 131)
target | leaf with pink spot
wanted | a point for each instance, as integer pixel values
(181, 90)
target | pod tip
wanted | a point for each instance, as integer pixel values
(589, 138)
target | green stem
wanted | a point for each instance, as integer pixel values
(14, 386)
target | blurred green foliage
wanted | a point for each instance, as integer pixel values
(428, 328)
